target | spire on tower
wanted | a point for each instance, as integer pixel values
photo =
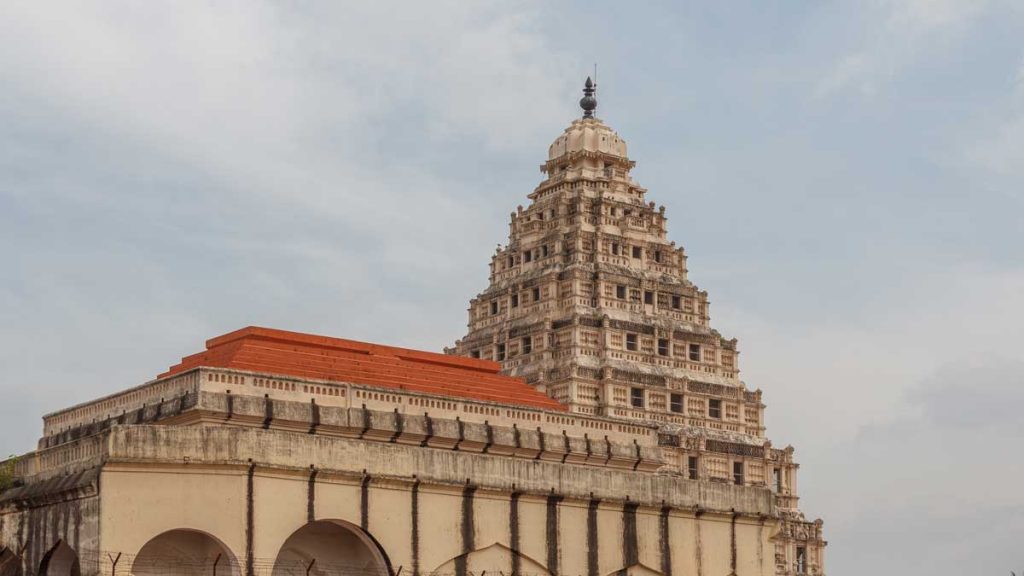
(589, 101)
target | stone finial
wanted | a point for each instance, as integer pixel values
(589, 101)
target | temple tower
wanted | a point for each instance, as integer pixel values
(590, 302)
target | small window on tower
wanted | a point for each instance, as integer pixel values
(527, 255)
(494, 308)
(737, 473)
(544, 251)
(692, 467)
(515, 300)
(631, 342)
(511, 261)
(476, 354)
(615, 248)
(663, 348)
(536, 294)
(501, 352)
(620, 292)
(715, 408)
(527, 344)
(657, 255)
(695, 352)
(648, 297)
(801, 560)
(676, 302)
(636, 397)
(676, 403)
(777, 479)
(637, 251)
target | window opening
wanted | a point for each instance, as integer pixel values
(636, 397)
(631, 342)
(676, 403)
(695, 352)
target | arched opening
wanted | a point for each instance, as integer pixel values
(10, 563)
(186, 553)
(494, 559)
(637, 570)
(330, 548)
(61, 560)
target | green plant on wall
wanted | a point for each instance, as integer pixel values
(7, 473)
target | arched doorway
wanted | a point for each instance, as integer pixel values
(330, 548)
(186, 553)
(10, 563)
(61, 560)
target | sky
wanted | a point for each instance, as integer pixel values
(847, 179)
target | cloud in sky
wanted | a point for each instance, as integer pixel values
(900, 33)
(846, 179)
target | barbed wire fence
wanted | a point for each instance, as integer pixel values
(123, 564)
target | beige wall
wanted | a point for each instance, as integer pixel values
(141, 501)
(211, 479)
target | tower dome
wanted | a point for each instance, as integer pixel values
(588, 134)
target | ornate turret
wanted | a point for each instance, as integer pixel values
(590, 302)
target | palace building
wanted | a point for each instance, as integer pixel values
(591, 423)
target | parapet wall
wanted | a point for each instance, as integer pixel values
(223, 445)
(85, 447)
(341, 395)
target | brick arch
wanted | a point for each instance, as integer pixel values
(185, 552)
(494, 559)
(329, 548)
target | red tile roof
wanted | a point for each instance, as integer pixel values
(308, 356)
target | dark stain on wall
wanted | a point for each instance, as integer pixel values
(415, 523)
(78, 527)
(732, 542)
(311, 495)
(513, 531)
(314, 416)
(490, 436)
(364, 503)
(430, 429)
(699, 544)
(268, 411)
(665, 542)
(592, 555)
(468, 530)
(462, 432)
(630, 550)
(551, 531)
(399, 426)
(250, 520)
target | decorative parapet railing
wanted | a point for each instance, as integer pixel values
(350, 410)
(119, 403)
(329, 393)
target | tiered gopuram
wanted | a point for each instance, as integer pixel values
(590, 302)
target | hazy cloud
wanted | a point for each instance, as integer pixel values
(896, 34)
(172, 171)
